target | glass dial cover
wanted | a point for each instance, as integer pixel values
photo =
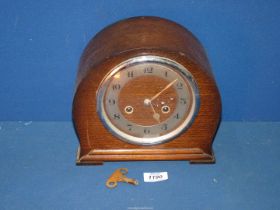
(148, 100)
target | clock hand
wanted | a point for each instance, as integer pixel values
(156, 115)
(165, 88)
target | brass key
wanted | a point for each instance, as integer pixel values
(119, 176)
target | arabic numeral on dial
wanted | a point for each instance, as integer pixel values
(183, 101)
(177, 116)
(147, 131)
(164, 127)
(117, 116)
(166, 74)
(116, 87)
(130, 74)
(179, 85)
(129, 127)
(148, 70)
(112, 101)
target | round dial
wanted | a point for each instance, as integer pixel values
(148, 100)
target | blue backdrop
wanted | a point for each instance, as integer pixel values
(41, 42)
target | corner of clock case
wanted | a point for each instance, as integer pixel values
(82, 160)
(209, 160)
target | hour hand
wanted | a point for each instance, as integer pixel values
(156, 115)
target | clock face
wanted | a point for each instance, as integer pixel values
(148, 100)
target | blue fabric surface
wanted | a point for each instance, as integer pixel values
(41, 43)
(38, 171)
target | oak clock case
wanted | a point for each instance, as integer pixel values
(145, 91)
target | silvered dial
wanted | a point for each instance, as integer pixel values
(148, 100)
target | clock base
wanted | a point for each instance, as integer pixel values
(97, 157)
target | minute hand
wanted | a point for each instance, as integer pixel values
(165, 88)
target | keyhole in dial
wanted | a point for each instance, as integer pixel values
(128, 109)
(165, 109)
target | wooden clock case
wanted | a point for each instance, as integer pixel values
(135, 37)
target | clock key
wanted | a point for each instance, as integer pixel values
(119, 176)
